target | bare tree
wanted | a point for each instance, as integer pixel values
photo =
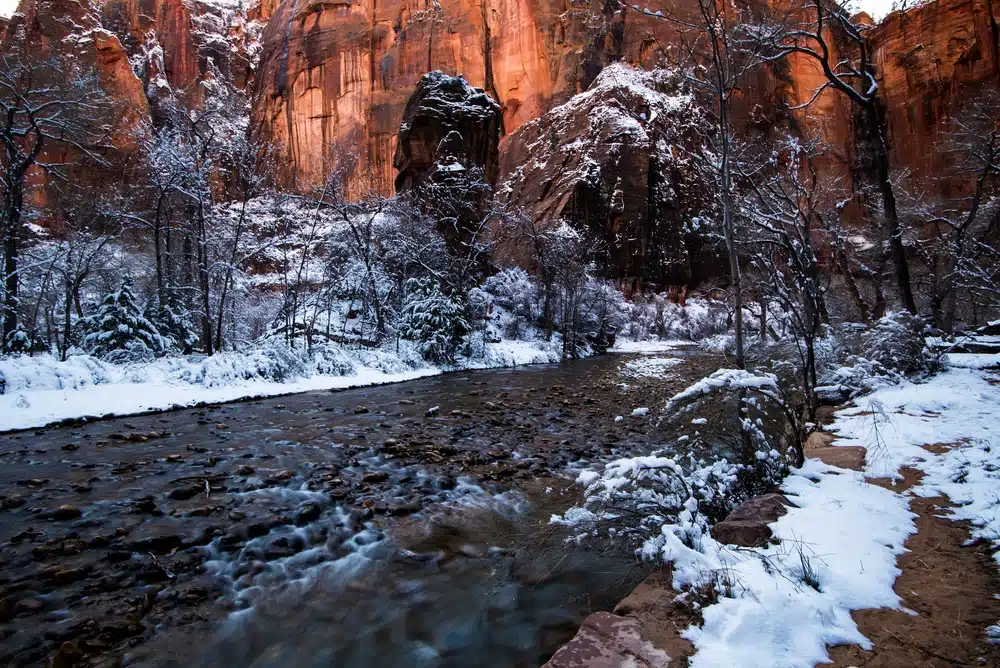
(958, 251)
(251, 166)
(43, 105)
(850, 70)
(782, 214)
(721, 43)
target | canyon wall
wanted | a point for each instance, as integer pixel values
(335, 76)
(931, 61)
(330, 79)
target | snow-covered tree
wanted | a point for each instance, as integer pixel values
(45, 104)
(176, 330)
(118, 330)
(434, 320)
(513, 290)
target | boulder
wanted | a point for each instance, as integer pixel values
(747, 524)
(820, 446)
(606, 640)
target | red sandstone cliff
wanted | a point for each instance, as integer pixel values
(931, 60)
(335, 76)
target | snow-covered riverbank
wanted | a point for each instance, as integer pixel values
(41, 390)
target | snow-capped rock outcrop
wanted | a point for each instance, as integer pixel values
(627, 160)
(446, 118)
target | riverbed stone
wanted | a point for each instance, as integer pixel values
(606, 640)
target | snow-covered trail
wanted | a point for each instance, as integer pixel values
(839, 547)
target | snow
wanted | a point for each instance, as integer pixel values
(647, 347)
(158, 389)
(640, 412)
(36, 391)
(782, 605)
(973, 360)
(649, 367)
(731, 379)
(849, 530)
(845, 533)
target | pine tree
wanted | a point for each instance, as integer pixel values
(176, 328)
(22, 342)
(118, 331)
(435, 321)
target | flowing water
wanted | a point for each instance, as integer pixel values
(401, 525)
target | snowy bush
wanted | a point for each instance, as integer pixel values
(635, 496)
(118, 331)
(22, 342)
(332, 360)
(658, 317)
(45, 372)
(271, 360)
(176, 330)
(897, 344)
(433, 320)
(734, 420)
(514, 291)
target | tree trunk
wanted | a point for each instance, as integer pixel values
(206, 318)
(11, 302)
(897, 250)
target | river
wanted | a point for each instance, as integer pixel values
(399, 525)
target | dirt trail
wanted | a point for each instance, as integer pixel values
(949, 584)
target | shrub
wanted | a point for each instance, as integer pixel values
(896, 343)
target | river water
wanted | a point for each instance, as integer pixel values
(401, 525)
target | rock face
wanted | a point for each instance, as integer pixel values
(339, 74)
(447, 124)
(178, 43)
(621, 162)
(931, 60)
(47, 28)
(50, 27)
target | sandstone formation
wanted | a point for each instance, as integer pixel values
(447, 124)
(181, 42)
(643, 632)
(335, 78)
(624, 162)
(932, 60)
(48, 28)
(45, 28)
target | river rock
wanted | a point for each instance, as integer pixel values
(66, 512)
(307, 512)
(186, 492)
(29, 606)
(606, 640)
